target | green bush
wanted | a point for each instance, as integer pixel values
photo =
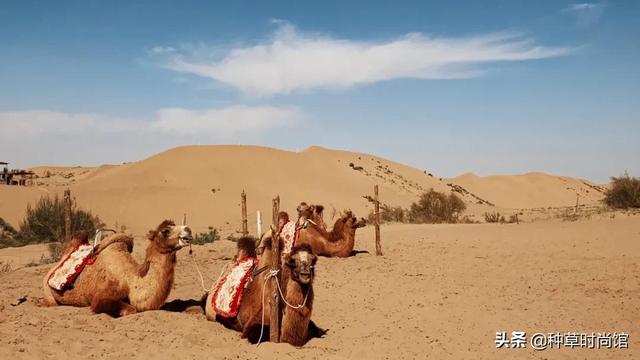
(436, 207)
(44, 223)
(206, 238)
(389, 214)
(624, 192)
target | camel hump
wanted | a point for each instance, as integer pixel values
(247, 246)
(127, 240)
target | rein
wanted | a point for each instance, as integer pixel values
(274, 274)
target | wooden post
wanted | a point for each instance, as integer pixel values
(274, 325)
(245, 228)
(184, 219)
(517, 221)
(377, 221)
(577, 202)
(259, 223)
(67, 216)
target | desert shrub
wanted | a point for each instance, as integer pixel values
(234, 237)
(436, 207)
(206, 238)
(6, 227)
(389, 213)
(44, 223)
(468, 220)
(624, 192)
(493, 217)
(7, 234)
(568, 215)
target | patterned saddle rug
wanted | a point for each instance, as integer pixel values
(289, 235)
(230, 288)
(70, 267)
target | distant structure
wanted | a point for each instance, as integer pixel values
(15, 176)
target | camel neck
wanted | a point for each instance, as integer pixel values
(155, 280)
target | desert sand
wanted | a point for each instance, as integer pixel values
(439, 291)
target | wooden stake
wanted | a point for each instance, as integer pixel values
(274, 326)
(377, 221)
(184, 219)
(577, 202)
(245, 227)
(67, 216)
(259, 223)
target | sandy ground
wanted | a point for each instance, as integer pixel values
(439, 292)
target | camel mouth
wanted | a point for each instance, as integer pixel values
(185, 240)
(305, 276)
(361, 223)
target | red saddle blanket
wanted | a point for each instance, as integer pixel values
(70, 267)
(229, 289)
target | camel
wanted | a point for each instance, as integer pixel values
(306, 214)
(116, 283)
(297, 274)
(337, 243)
(253, 318)
(249, 318)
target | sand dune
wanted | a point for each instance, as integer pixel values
(531, 190)
(205, 182)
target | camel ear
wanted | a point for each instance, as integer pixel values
(319, 209)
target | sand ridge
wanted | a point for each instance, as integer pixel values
(205, 182)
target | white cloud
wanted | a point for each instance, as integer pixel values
(291, 61)
(222, 122)
(583, 7)
(35, 123)
(227, 121)
(586, 13)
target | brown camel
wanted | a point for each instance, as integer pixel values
(306, 214)
(339, 242)
(118, 285)
(249, 318)
(296, 284)
(297, 274)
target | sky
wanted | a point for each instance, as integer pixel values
(489, 87)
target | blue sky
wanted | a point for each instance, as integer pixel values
(491, 87)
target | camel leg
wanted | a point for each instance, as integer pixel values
(112, 307)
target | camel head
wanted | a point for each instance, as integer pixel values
(351, 222)
(310, 212)
(302, 262)
(169, 237)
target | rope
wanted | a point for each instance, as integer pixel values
(270, 274)
(195, 263)
(296, 307)
(274, 274)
